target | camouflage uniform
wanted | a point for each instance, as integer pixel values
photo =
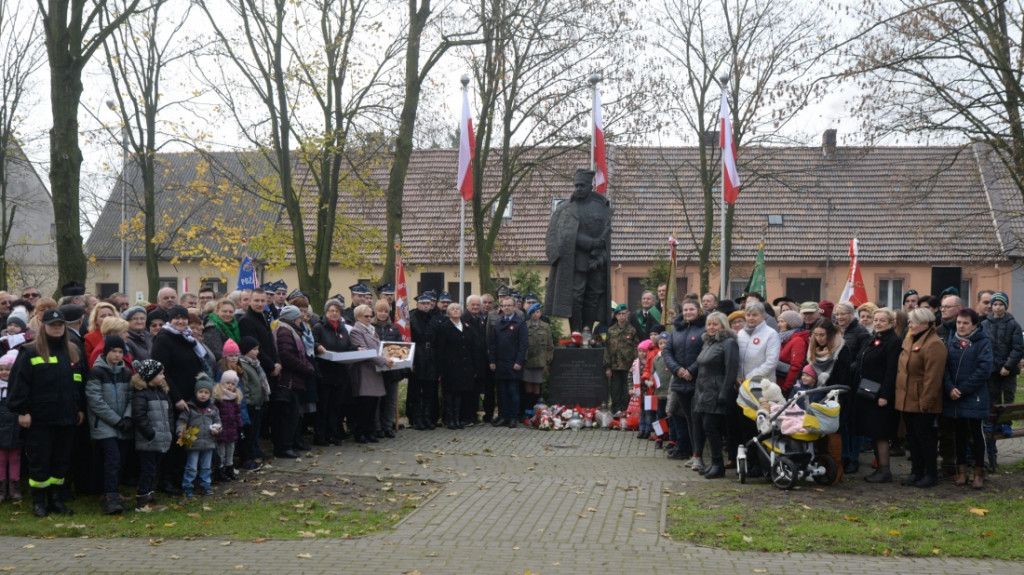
(619, 353)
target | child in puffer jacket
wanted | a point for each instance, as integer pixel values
(198, 428)
(151, 417)
(228, 399)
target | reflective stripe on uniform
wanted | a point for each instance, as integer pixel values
(39, 360)
(78, 377)
(55, 481)
(39, 484)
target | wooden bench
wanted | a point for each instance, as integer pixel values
(1002, 414)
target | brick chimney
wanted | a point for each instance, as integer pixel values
(828, 143)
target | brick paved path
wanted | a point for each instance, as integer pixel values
(513, 500)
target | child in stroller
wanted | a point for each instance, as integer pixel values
(785, 441)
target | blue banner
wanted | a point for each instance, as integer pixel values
(247, 275)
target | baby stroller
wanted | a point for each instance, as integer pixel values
(785, 441)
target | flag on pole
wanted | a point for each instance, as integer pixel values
(600, 164)
(730, 177)
(756, 283)
(651, 403)
(670, 289)
(247, 275)
(854, 291)
(467, 145)
(660, 427)
(402, 301)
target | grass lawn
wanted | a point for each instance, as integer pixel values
(269, 505)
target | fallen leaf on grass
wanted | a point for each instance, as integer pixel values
(978, 511)
(239, 566)
(304, 556)
(893, 532)
(29, 546)
(196, 515)
(7, 568)
(79, 554)
(259, 540)
(850, 518)
(268, 493)
(156, 542)
(748, 538)
(988, 533)
(935, 550)
(175, 557)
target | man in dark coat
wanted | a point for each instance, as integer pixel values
(578, 245)
(253, 323)
(507, 354)
(421, 398)
(646, 319)
(476, 319)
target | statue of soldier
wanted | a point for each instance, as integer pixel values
(578, 246)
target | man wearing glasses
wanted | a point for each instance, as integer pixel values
(31, 294)
(5, 307)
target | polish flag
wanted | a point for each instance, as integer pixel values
(402, 301)
(600, 164)
(467, 145)
(651, 403)
(657, 381)
(730, 177)
(660, 427)
(854, 291)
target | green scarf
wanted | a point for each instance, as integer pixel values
(229, 329)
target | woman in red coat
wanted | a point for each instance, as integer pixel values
(793, 351)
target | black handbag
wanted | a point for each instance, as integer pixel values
(868, 389)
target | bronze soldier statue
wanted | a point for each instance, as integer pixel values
(579, 247)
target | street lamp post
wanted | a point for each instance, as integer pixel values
(124, 202)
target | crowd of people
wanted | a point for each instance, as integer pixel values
(922, 378)
(175, 395)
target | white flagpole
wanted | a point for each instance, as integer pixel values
(462, 222)
(722, 271)
(593, 79)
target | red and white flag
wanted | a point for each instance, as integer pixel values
(854, 291)
(467, 147)
(660, 427)
(600, 164)
(402, 301)
(730, 177)
(651, 403)
(657, 381)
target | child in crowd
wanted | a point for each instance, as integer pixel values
(17, 332)
(10, 437)
(664, 376)
(202, 419)
(108, 403)
(642, 385)
(256, 392)
(808, 380)
(228, 400)
(152, 416)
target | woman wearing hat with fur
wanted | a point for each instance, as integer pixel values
(296, 367)
(139, 341)
(46, 391)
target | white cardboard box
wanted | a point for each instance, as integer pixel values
(348, 356)
(404, 364)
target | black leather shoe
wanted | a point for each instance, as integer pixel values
(911, 479)
(300, 446)
(512, 424)
(286, 454)
(499, 422)
(372, 439)
(389, 433)
(419, 425)
(852, 466)
(927, 481)
(715, 472)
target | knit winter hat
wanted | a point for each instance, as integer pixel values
(809, 370)
(19, 313)
(998, 296)
(290, 313)
(17, 321)
(9, 357)
(203, 381)
(230, 348)
(739, 314)
(247, 344)
(177, 311)
(148, 369)
(792, 319)
(645, 345)
(113, 341)
(128, 313)
(229, 376)
(826, 308)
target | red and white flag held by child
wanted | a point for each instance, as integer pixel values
(600, 164)
(660, 427)
(651, 402)
(467, 147)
